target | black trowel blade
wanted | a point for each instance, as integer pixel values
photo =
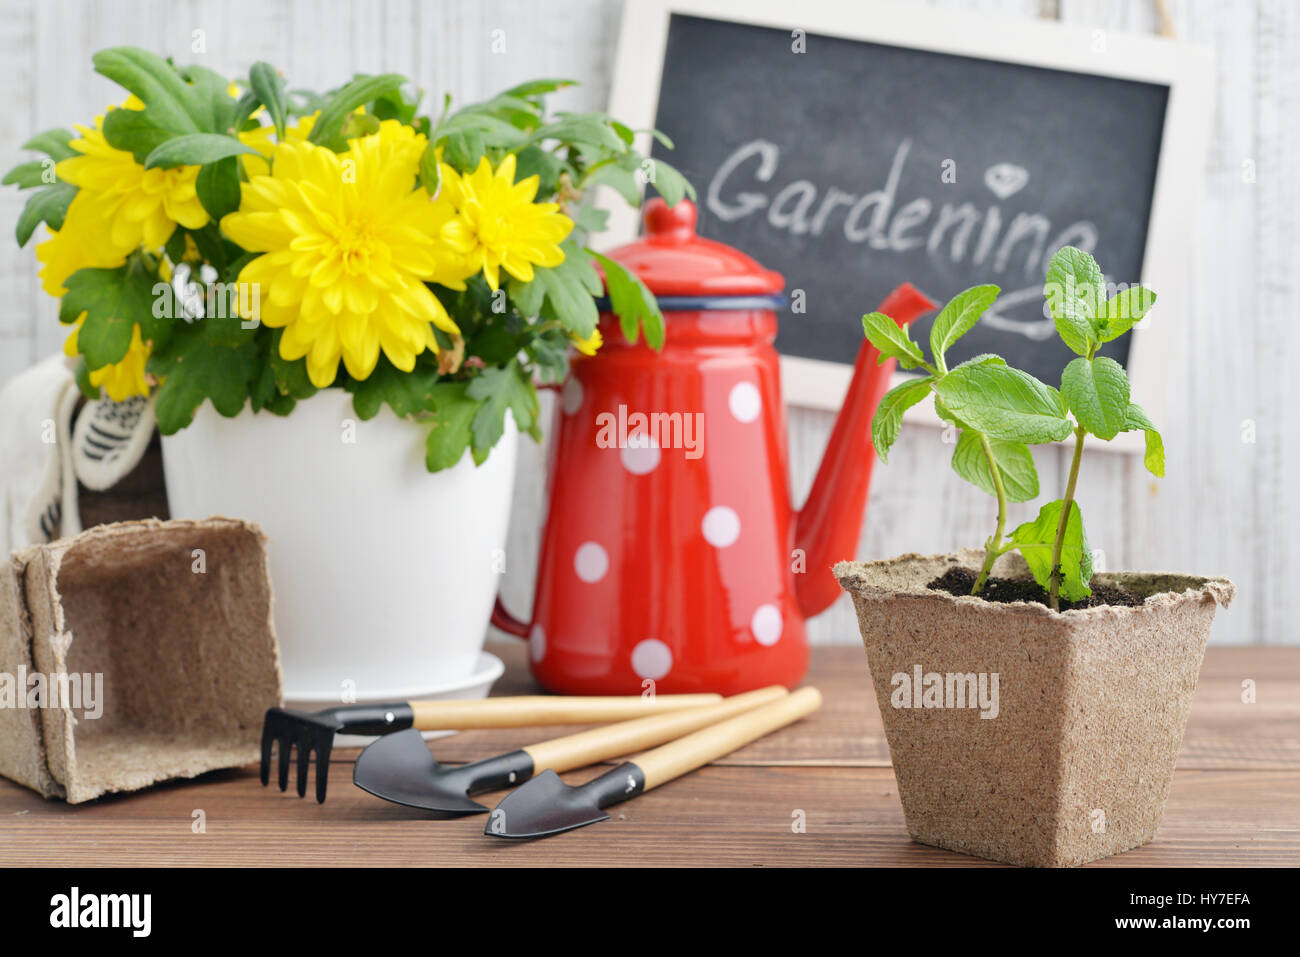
(399, 768)
(546, 805)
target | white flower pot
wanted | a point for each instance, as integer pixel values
(384, 574)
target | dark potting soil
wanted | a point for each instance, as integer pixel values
(958, 581)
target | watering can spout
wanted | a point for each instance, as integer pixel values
(828, 526)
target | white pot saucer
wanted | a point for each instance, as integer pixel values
(487, 670)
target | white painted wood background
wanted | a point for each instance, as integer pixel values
(1227, 506)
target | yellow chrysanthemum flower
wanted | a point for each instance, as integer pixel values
(263, 140)
(123, 379)
(119, 207)
(500, 227)
(349, 243)
(590, 345)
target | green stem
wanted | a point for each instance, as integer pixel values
(1054, 593)
(993, 547)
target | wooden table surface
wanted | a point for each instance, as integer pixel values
(1235, 798)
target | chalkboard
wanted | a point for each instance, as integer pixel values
(851, 166)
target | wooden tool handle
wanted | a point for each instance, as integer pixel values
(696, 750)
(588, 747)
(530, 710)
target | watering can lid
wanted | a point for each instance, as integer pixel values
(673, 261)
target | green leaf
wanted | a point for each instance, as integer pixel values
(888, 419)
(1137, 419)
(1073, 289)
(623, 181)
(546, 166)
(48, 205)
(170, 103)
(195, 149)
(1036, 540)
(589, 128)
(268, 85)
(893, 341)
(217, 186)
(430, 174)
(633, 303)
(1004, 403)
(501, 388)
(670, 183)
(192, 369)
(135, 132)
(983, 359)
(450, 428)
(291, 377)
(958, 317)
(31, 174)
(406, 393)
(564, 293)
(1122, 310)
(53, 143)
(1096, 391)
(114, 300)
(1014, 460)
(359, 92)
(537, 87)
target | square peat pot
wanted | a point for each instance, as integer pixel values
(1064, 757)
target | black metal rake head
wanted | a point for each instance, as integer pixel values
(308, 732)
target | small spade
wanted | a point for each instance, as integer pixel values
(399, 767)
(546, 805)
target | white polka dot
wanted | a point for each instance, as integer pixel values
(641, 454)
(652, 659)
(571, 397)
(537, 643)
(590, 562)
(767, 624)
(721, 526)
(745, 402)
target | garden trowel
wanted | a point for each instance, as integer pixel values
(546, 805)
(399, 767)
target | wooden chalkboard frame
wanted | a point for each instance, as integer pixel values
(1187, 70)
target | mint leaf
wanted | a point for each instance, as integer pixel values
(450, 431)
(1037, 538)
(1122, 310)
(888, 420)
(1136, 418)
(1004, 403)
(1096, 391)
(632, 302)
(892, 340)
(1073, 288)
(195, 149)
(1014, 460)
(958, 317)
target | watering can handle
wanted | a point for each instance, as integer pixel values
(508, 622)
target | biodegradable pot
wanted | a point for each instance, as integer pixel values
(1091, 707)
(385, 574)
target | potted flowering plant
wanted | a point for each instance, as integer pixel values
(337, 307)
(1034, 710)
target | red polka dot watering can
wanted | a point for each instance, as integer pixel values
(671, 551)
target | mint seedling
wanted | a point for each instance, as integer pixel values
(1001, 411)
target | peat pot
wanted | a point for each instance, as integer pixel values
(1023, 735)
